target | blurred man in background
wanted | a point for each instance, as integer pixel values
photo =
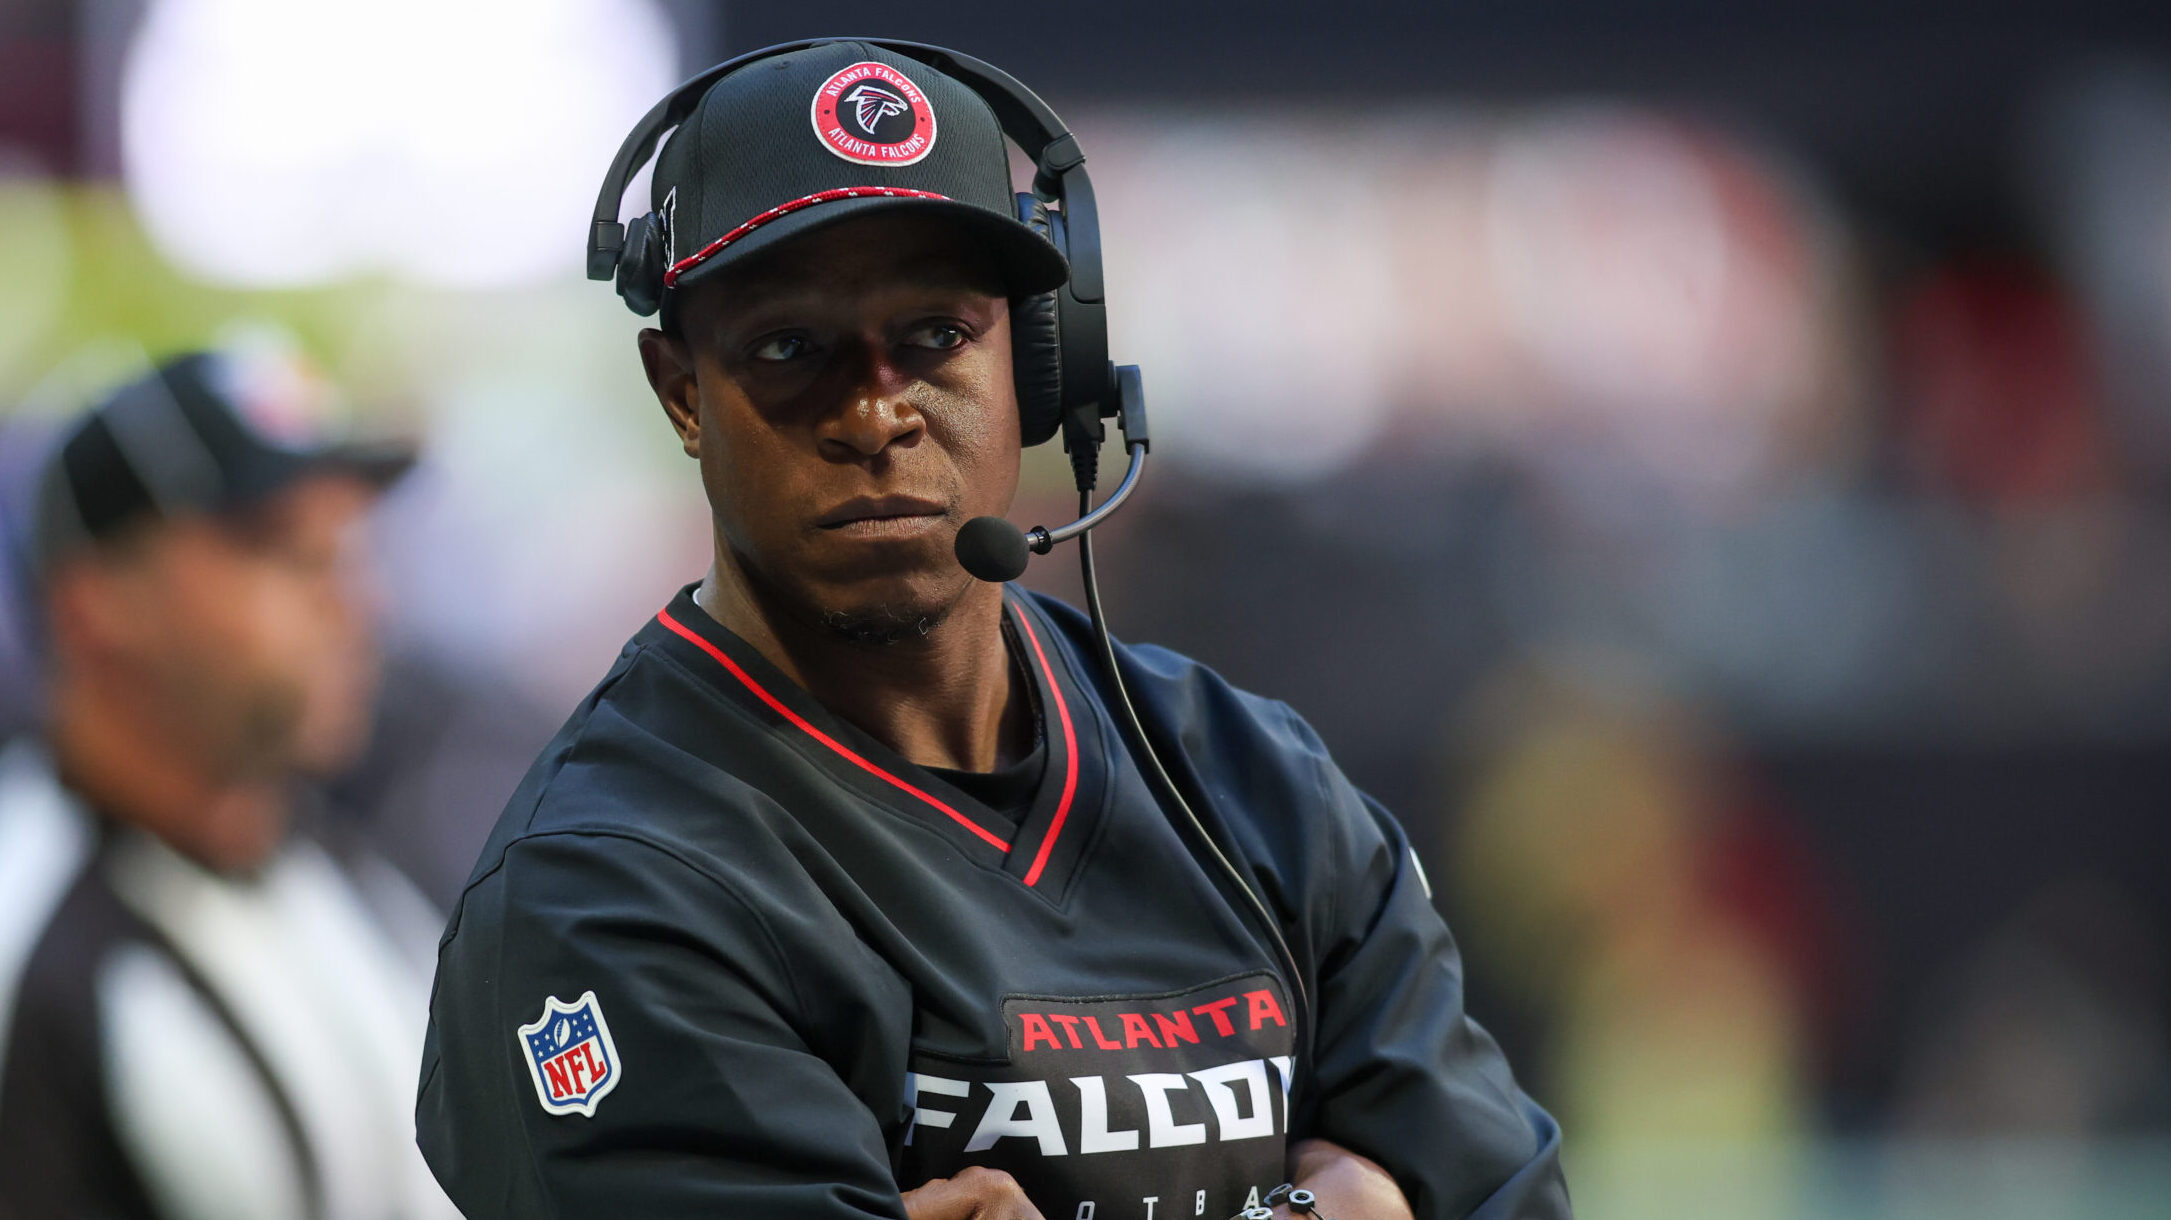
(202, 1012)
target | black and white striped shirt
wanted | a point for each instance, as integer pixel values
(179, 1044)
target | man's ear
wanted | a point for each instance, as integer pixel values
(669, 362)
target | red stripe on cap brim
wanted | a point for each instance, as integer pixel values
(707, 252)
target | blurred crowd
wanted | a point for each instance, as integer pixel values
(1749, 577)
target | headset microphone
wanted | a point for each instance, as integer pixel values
(997, 551)
(992, 549)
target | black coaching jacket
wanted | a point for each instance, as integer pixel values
(726, 955)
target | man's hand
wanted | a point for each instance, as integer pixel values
(1349, 1187)
(980, 1193)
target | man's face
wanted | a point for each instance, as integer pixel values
(250, 639)
(849, 397)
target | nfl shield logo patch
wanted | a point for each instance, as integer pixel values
(570, 1055)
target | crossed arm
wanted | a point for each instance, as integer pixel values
(1349, 1187)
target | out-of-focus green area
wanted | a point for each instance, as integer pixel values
(82, 272)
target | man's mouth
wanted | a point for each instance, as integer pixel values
(883, 516)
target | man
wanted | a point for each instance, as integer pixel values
(841, 895)
(201, 1014)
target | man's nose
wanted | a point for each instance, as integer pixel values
(876, 411)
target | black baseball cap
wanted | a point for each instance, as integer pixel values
(791, 143)
(179, 442)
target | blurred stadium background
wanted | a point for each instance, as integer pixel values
(1708, 472)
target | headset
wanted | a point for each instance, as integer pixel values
(1065, 380)
(1059, 339)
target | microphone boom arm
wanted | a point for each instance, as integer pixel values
(1040, 539)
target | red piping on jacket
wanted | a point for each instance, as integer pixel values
(1070, 758)
(846, 752)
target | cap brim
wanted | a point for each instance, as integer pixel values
(59, 534)
(377, 464)
(1029, 262)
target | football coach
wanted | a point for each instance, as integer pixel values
(846, 892)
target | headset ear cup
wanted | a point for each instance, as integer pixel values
(640, 266)
(1036, 343)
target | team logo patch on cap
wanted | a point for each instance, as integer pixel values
(570, 1055)
(871, 114)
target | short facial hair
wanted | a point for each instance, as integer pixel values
(880, 625)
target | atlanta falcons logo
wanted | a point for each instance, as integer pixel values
(874, 105)
(872, 114)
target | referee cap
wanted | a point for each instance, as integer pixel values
(204, 433)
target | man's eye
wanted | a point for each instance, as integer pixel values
(781, 348)
(941, 336)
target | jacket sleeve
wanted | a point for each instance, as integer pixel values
(727, 1103)
(1400, 1072)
